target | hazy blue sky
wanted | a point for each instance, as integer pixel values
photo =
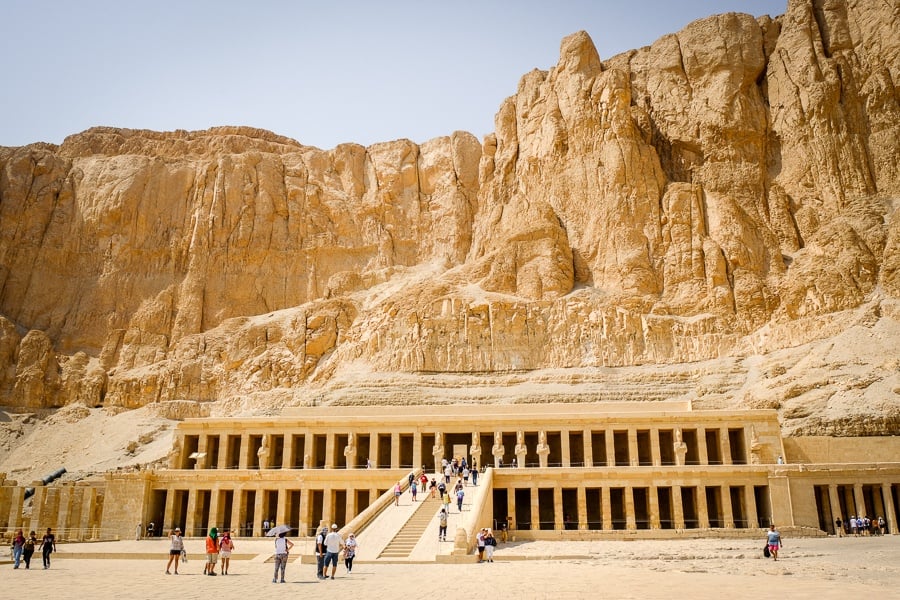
(320, 72)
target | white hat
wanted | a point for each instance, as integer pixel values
(334, 526)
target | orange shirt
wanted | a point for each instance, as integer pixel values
(212, 545)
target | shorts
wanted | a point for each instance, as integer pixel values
(225, 554)
(331, 558)
(773, 547)
(211, 557)
(174, 552)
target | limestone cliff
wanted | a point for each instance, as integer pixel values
(706, 204)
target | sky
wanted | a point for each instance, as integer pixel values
(322, 73)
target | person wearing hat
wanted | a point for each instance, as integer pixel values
(212, 551)
(320, 553)
(176, 547)
(334, 543)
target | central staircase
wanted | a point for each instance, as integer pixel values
(402, 544)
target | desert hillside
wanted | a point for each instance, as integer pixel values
(712, 217)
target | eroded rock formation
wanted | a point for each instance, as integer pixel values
(728, 191)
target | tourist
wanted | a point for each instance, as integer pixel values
(334, 543)
(138, 531)
(412, 490)
(48, 545)
(212, 551)
(176, 547)
(397, 492)
(282, 548)
(882, 526)
(150, 527)
(447, 472)
(460, 494)
(839, 527)
(490, 544)
(350, 549)
(226, 547)
(320, 553)
(18, 547)
(28, 549)
(773, 539)
(433, 487)
(423, 481)
(442, 525)
(854, 525)
(445, 499)
(465, 475)
(474, 472)
(479, 542)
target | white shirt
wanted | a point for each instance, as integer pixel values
(333, 542)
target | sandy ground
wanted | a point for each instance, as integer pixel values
(808, 568)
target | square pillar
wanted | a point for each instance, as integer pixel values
(88, 503)
(305, 516)
(702, 454)
(214, 517)
(727, 509)
(373, 449)
(859, 499)
(558, 516)
(258, 516)
(395, 449)
(588, 448)
(890, 516)
(308, 449)
(609, 436)
(677, 507)
(64, 511)
(630, 521)
(582, 508)
(288, 451)
(565, 449)
(329, 450)
(191, 518)
(202, 448)
(223, 452)
(244, 452)
(702, 508)
(606, 507)
(281, 506)
(237, 525)
(535, 510)
(633, 455)
(17, 499)
(725, 446)
(655, 453)
(750, 504)
(417, 459)
(654, 504)
(37, 503)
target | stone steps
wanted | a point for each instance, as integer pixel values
(402, 544)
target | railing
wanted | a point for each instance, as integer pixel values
(65, 534)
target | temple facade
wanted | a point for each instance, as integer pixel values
(582, 471)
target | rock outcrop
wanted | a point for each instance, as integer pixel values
(727, 192)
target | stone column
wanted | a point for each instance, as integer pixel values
(64, 511)
(859, 499)
(305, 514)
(702, 509)
(16, 500)
(633, 455)
(565, 449)
(725, 446)
(498, 449)
(521, 450)
(835, 501)
(280, 506)
(750, 503)
(329, 450)
(223, 452)
(702, 454)
(244, 452)
(190, 523)
(237, 526)
(543, 450)
(202, 452)
(373, 449)
(37, 504)
(88, 503)
(309, 448)
(606, 507)
(511, 507)
(653, 501)
(588, 448)
(287, 451)
(610, 437)
(213, 519)
(168, 514)
(655, 453)
(395, 449)
(258, 516)
(350, 451)
(630, 520)
(890, 517)
(558, 513)
(417, 457)
(535, 510)
(582, 508)
(727, 508)
(678, 507)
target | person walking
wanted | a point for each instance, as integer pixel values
(442, 525)
(282, 549)
(773, 539)
(30, 544)
(474, 472)
(460, 494)
(212, 551)
(18, 547)
(226, 547)
(412, 490)
(839, 527)
(397, 492)
(48, 545)
(350, 548)
(490, 544)
(176, 547)
(334, 543)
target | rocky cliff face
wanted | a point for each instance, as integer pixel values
(717, 198)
